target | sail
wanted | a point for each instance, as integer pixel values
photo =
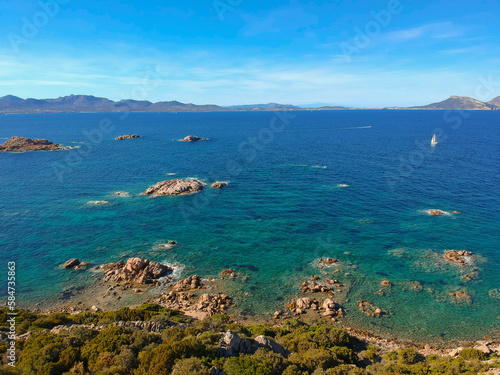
(433, 140)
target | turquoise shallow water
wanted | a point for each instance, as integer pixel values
(286, 206)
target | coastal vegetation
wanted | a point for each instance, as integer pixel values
(154, 340)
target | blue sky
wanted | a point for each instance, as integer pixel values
(226, 52)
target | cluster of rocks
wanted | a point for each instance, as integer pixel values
(122, 194)
(459, 257)
(461, 296)
(200, 307)
(486, 346)
(75, 264)
(314, 287)
(136, 270)
(166, 245)
(436, 212)
(229, 272)
(232, 345)
(327, 262)
(191, 283)
(97, 203)
(369, 309)
(219, 184)
(174, 187)
(328, 308)
(192, 138)
(121, 137)
(21, 144)
(494, 293)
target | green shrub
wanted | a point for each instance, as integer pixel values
(160, 360)
(471, 354)
(51, 321)
(260, 329)
(190, 366)
(109, 340)
(262, 362)
(46, 354)
(313, 359)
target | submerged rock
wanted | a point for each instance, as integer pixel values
(97, 203)
(192, 138)
(174, 187)
(136, 270)
(121, 137)
(21, 144)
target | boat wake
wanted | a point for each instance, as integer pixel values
(358, 127)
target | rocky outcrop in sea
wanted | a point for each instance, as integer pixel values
(192, 138)
(219, 184)
(174, 187)
(136, 270)
(22, 144)
(122, 137)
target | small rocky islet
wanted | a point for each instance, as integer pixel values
(23, 144)
(122, 137)
(192, 138)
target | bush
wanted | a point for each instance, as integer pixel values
(313, 359)
(260, 329)
(46, 354)
(262, 362)
(190, 366)
(161, 360)
(471, 354)
(109, 340)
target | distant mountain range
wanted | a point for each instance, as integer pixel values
(464, 103)
(87, 103)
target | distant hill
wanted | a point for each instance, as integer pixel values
(269, 106)
(495, 101)
(88, 103)
(459, 102)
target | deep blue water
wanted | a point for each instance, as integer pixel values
(285, 207)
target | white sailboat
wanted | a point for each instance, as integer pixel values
(433, 140)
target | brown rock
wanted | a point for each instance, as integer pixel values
(21, 144)
(71, 263)
(190, 283)
(136, 270)
(386, 283)
(436, 212)
(175, 187)
(219, 184)
(192, 138)
(121, 137)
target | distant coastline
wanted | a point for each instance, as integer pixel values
(90, 104)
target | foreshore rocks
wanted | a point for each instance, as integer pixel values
(22, 144)
(192, 138)
(219, 185)
(174, 187)
(74, 263)
(136, 270)
(459, 257)
(198, 307)
(327, 309)
(192, 282)
(122, 137)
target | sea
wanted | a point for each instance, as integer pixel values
(352, 185)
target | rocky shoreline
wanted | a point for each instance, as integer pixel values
(138, 281)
